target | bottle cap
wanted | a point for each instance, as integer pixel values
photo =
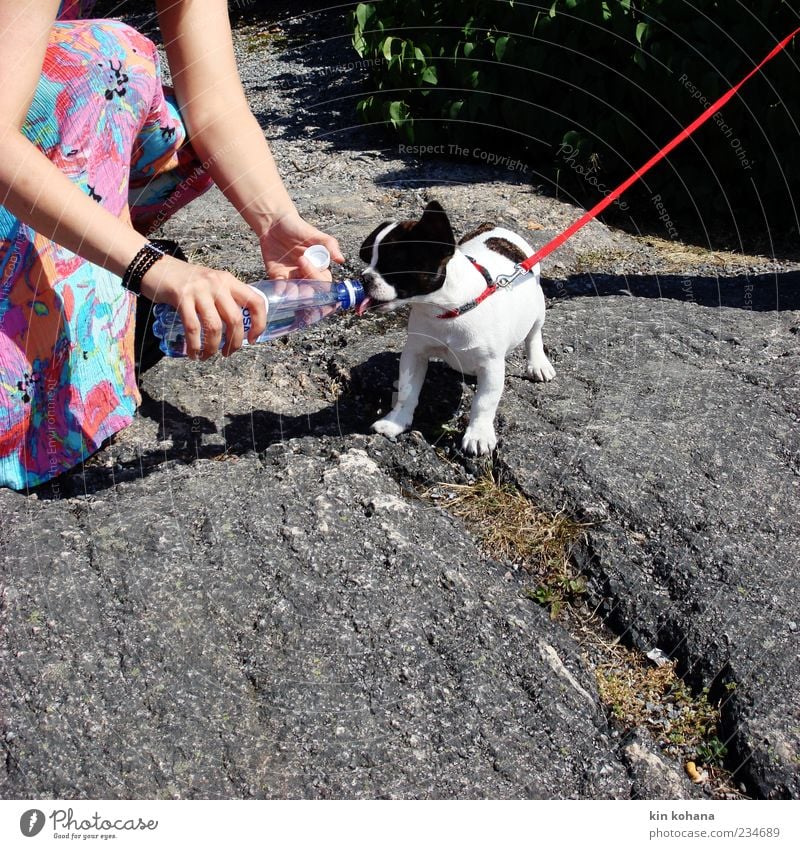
(318, 256)
(351, 293)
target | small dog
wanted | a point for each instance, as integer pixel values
(456, 315)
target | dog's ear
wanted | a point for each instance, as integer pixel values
(434, 206)
(434, 226)
(366, 249)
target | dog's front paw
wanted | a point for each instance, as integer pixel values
(479, 439)
(388, 428)
(541, 370)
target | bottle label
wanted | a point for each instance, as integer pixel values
(247, 319)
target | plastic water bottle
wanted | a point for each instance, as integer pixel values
(291, 306)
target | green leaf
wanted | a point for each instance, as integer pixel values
(455, 109)
(429, 75)
(386, 48)
(500, 47)
(364, 11)
(398, 113)
(365, 110)
(359, 43)
(641, 32)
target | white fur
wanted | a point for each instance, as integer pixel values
(380, 290)
(475, 343)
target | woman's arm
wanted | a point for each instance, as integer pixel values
(31, 187)
(226, 136)
(34, 190)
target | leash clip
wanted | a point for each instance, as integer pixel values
(507, 279)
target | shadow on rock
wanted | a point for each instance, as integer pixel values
(366, 395)
(759, 292)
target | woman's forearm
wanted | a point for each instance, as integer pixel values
(34, 190)
(232, 147)
(222, 129)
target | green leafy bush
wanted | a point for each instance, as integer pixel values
(587, 90)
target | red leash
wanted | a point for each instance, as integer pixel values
(528, 264)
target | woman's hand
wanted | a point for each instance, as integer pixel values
(283, 244)
(207, 302)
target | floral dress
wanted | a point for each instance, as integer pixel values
(101, 115)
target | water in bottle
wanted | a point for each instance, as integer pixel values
(291, 306)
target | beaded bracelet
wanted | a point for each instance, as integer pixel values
(139, 266)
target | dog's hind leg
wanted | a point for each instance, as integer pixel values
(539, 366)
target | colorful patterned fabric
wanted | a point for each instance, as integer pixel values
(67, 378)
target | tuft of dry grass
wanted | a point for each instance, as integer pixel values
(636, 692)
(512, 529)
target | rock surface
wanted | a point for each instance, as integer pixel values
(296, 637)
(673, 427)
(241, 596)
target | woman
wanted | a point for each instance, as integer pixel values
(93, 156)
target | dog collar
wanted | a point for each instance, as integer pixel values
(490, 289)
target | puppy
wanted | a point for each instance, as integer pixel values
(456, 314)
